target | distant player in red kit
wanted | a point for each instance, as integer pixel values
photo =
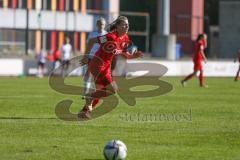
(111, 44)
(237, 59)
(199, 55)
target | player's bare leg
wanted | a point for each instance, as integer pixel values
(99, 93)
(201, 82)
(87, 83)
(87, 109)
(65, 67)
(237, 75)
(96, 100)
(107, 91)
(190, 76)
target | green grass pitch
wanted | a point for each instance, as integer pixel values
(196, 123)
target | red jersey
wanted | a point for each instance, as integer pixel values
(50, 57)
(110, 45)
(56, 55)
(198, 49)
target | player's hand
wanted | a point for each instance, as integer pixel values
(138, 54)
(205, 60)
(84, 61)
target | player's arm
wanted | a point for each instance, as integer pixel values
(136, 54)
(130, 51)
(203, 54)
(89, 46)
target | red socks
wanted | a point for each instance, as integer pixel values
(201, 79)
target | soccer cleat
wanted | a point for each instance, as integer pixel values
(183, 83)
(85, 112)
(84, 115)
(89, 108)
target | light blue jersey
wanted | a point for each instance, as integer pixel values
(96, 45)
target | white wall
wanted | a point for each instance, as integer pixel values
(11, 67)
(183, 68)
(15, 67)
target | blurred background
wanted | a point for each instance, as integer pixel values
(163, 29)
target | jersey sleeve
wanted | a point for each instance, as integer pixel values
(103, 39)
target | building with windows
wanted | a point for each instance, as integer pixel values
(44, 24)
(186, 19)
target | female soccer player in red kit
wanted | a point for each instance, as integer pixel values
(237, 59)
(197, 59)
(111, 44)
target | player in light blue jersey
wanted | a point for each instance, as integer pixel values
(88, 81)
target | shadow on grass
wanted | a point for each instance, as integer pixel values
(92, 159)
(16, 118)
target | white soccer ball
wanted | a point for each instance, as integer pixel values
(115, 150)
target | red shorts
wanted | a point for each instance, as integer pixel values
(101, 77)
(197, 65)
(101, 74)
